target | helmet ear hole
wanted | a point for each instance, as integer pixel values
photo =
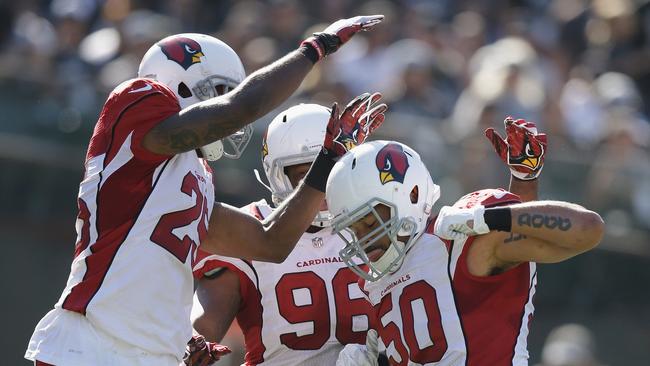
(414, 195)
(184, 91)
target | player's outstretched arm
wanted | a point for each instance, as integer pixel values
(541, 231)
(553, 231)
(523, 151)
(220, 299)
(234, 233)
(258, 94)
(237, 234)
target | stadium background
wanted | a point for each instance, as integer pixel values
(449, 69)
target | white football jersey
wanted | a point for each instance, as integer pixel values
(416, 314)
(141, 218)
(299, 312)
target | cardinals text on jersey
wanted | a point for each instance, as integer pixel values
(416, 315)
(495, 310)
(299, 312)
(141, 217)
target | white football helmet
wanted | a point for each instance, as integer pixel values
(380, 172)
(295, 136)
(198, 67)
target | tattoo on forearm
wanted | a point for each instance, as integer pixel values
(183, 140)
(217, 131)
(186, 139)
(514, 237)
(539, 220)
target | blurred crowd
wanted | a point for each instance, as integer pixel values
(447, 68)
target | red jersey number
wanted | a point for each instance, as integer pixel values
(347, 308)
(417, 291)
(389, 333)
(163, 235)
(317, 310)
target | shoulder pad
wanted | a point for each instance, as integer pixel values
(490, 197)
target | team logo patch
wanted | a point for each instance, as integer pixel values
(392, 163)
(530, 155)
(182, 50)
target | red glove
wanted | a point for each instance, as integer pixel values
(201, 353)
(358, 120)
(523, 149)
(339, 32)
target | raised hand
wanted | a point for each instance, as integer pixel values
(339, 32)
(351, 128)
(199, 352)
(523, 149)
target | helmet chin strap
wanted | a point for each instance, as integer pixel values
(386, 260)
(212, 151)
(321, 219)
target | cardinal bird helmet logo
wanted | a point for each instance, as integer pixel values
(392, 163)
(265, 145)
(182, 50)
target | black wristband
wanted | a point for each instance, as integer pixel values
(319, 172)
(329, 42)
(498, 218)
(309, 52)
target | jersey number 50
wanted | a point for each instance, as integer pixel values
(390, 332)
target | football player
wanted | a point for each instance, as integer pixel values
(493, 270)
(302, 311)
(147, 198)
(382, 193)
(380, 206)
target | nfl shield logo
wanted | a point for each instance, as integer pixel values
(317, 242)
